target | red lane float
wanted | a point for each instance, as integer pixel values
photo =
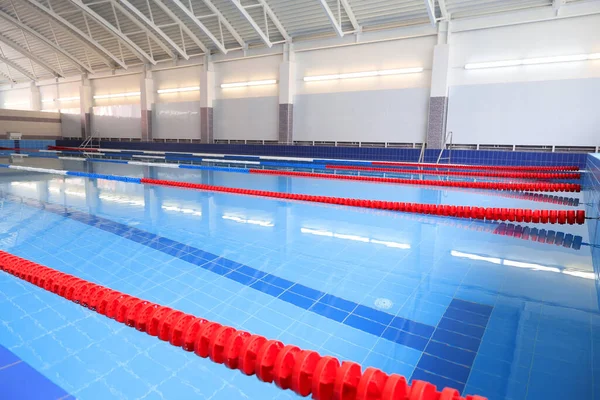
(490, 214)
(487, 167)
(484, 174)
(289, 367)
(525, 186)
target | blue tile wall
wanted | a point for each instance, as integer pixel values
(592, 198)
(356, 153)
(27, 144)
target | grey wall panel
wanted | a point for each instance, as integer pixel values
(177, 120)
(70, 124)
(118, 121)
(562, 112)
(247, 118)
(398, 115)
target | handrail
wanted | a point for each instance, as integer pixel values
(448, 136)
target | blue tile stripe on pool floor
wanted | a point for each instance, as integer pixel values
(448, 349)
(19, 380)
(449, 356)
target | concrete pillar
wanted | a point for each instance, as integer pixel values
(35, 97)
(207, 89)
(287, 90)
(438, 100)
(85, 104)
(147, 102)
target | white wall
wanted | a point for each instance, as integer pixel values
(16, 99)
(30, 123)
(177, 78)
(180, 120)
(548, 104)
(398, 115)
(116, 84)
(50, 93)
(537, 105)
(558, 112)
(117, 121)
(246, 118)
(377, 109)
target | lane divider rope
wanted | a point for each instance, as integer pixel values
(491, 214)
(305, 372)
(487, 174)
(515, 186)
(327, 161)
(490, 167)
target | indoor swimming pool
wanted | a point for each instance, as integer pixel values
(460, 303)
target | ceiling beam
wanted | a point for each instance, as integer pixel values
(17, 67)
(275, 20)
(18, 24)
(350, 14)
(334, 22)
(430, 6)
(225, 23)
(104, 53)
(264, 36)
(200, 25)
(181, 25)
(16, 47)
(155, 28)
(443, 9)
(149, 32)
(7, 76)
(137, 51)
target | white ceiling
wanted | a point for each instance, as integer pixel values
(41, 39)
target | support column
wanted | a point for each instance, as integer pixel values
(36, 98)
(85, 105)
(207, 88)
(438, 101)
(147, 102)
(287, 90)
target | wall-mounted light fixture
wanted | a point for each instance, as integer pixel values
(115, 95)
(61, 99)
(249, 83)
(366, 74)
(178, 90)
(533, 61)
(16, 103)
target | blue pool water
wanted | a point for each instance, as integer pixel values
(431, 298)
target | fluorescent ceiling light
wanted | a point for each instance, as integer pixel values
(111, 96)
(61, 99)
(555, 59)
(365, 74)
(248, 221)
(17, 103)
(494, 64)
(579, 274)
(250, 83)
(470, 256)
(172, 207)
(533, 61)
(177, 90)
(27, 185)
(534, 267)
(114, 198)
(355, 238)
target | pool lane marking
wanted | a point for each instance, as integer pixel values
(438, 341)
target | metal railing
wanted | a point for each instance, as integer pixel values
(447, 139)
